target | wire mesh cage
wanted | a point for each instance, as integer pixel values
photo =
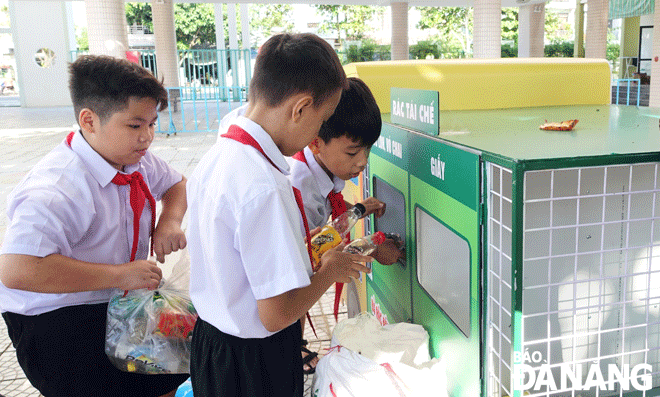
(576, 310)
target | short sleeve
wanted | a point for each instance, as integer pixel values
(271, 245)
(160, 175)
(44, 221)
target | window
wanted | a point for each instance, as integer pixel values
(443, 268)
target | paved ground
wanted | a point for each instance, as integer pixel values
(28, 134)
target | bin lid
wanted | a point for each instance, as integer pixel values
(602, 130)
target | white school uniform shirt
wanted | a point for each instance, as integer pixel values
(314, 185)
(68, 205)
(230, 118)
(244, 233)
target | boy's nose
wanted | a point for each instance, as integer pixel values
(147, 134)
(362, 160)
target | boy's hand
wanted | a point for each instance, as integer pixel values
(168, 237)
(374, 206)
(139, 274)
(388, 252)
(342, 266)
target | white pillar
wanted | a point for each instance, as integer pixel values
(233, 49)
(245, 26)
(531, 31)
(219, 27)
(595, 45)
(221, 48)
(654, 89)
(106, 27)
(167, 58)
(37, 25)
(487, 29)
(399, 31)
(233, 31)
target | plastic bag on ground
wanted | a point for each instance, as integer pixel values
(400, 342)
(370, 359)
(345, 373)
(150, 332)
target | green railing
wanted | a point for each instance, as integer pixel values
(206, 73)
(627, 85)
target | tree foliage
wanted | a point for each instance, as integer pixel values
(453, 25)
(195, 22)
(195, 25)
(266, 19)
(350, 20)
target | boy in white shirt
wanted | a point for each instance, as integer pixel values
(79, 228)
(251, 276)
(320, 171)
(338, 154)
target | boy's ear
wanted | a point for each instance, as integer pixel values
(87, 120)
(303, 103)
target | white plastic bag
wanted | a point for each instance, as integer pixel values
(368, 359)
(150, 332)
(400, 342)
(345, 373)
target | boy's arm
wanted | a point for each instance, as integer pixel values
(168, 236)
(280, 311)
(56, 273)
(372, 206)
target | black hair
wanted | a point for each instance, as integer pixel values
(357, 116)
(288, 64)
(104, 84)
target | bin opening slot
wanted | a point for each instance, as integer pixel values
(394, 219)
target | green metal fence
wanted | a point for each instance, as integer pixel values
(216, 74)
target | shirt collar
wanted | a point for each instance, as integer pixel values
(265, 141)
(326, 185)
(100, 169)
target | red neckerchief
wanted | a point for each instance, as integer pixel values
(139, 194)
(338, 206)
(240, 135)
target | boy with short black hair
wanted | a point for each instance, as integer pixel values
(251, 277)
(338, 154)
(79, 228)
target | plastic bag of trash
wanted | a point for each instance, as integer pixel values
(150, 332)
(343, 372)
(370, 359)
(400, 342)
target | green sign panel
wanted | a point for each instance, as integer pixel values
(416, 109)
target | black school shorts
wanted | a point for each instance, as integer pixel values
(224, 365)
(62, 353)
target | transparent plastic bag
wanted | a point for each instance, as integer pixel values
(149, 332)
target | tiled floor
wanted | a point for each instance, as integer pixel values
(27, 135)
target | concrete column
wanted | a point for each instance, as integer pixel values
(595, 45)
(654, 89)
(42, 52)
(219, 27)
(106, 27)
(487, 29)
(531, 31)
(399, 31)
(233, 47)
(245, 26)
(233, 30)
(629, 43)
(578, 48)
(167, 58)
(221, 49)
